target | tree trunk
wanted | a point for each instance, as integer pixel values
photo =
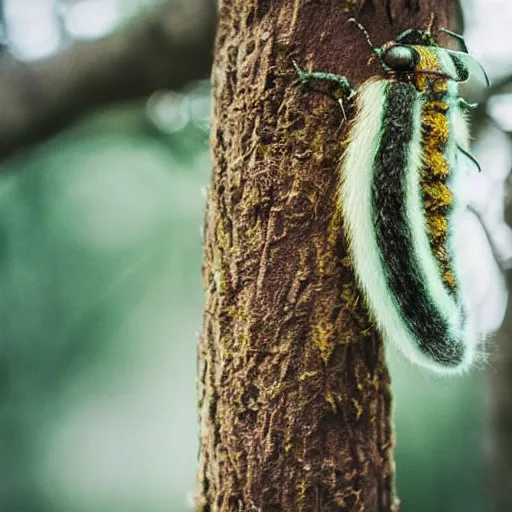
(294, 393)
(499, 435)
(499, 414)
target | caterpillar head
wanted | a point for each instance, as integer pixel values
(415, 52)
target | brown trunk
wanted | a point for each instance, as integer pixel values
(294, 393)
(499, 440)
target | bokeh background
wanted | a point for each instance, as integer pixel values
(101, 294)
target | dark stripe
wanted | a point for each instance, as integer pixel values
(394, 235)
(430, 95)
(460, 67)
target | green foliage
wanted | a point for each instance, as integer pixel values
(100, 300)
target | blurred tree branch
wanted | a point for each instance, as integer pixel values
(168, 48)
(501, 86)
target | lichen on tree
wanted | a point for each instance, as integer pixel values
(294, 393)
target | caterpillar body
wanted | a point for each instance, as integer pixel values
(406, 159)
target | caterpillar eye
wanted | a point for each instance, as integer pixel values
(400, 58)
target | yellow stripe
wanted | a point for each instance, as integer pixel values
(436, 194)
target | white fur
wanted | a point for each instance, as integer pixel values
(457, 162)
(356, 204)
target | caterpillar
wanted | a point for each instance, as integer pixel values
(406, 159)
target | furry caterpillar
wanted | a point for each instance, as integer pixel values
(400, 175)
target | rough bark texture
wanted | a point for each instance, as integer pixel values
(294, 393)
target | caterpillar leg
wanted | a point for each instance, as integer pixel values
(340, 89)
(471, 157)
(463, 103)
(458, 37)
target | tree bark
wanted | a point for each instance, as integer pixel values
(499, 414)
(294, 393)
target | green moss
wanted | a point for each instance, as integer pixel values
(358, 408)
(301, 492)
(244, 343)
(351, 6)
(264, 151)
(323, 339)
(242, 314)
(274, 251)
(307, 375)
(202, 505)
(317, 144)
(292, 136)
(331, 400)
(219, 281)
(275, 391)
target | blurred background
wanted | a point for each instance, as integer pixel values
(101, 204)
